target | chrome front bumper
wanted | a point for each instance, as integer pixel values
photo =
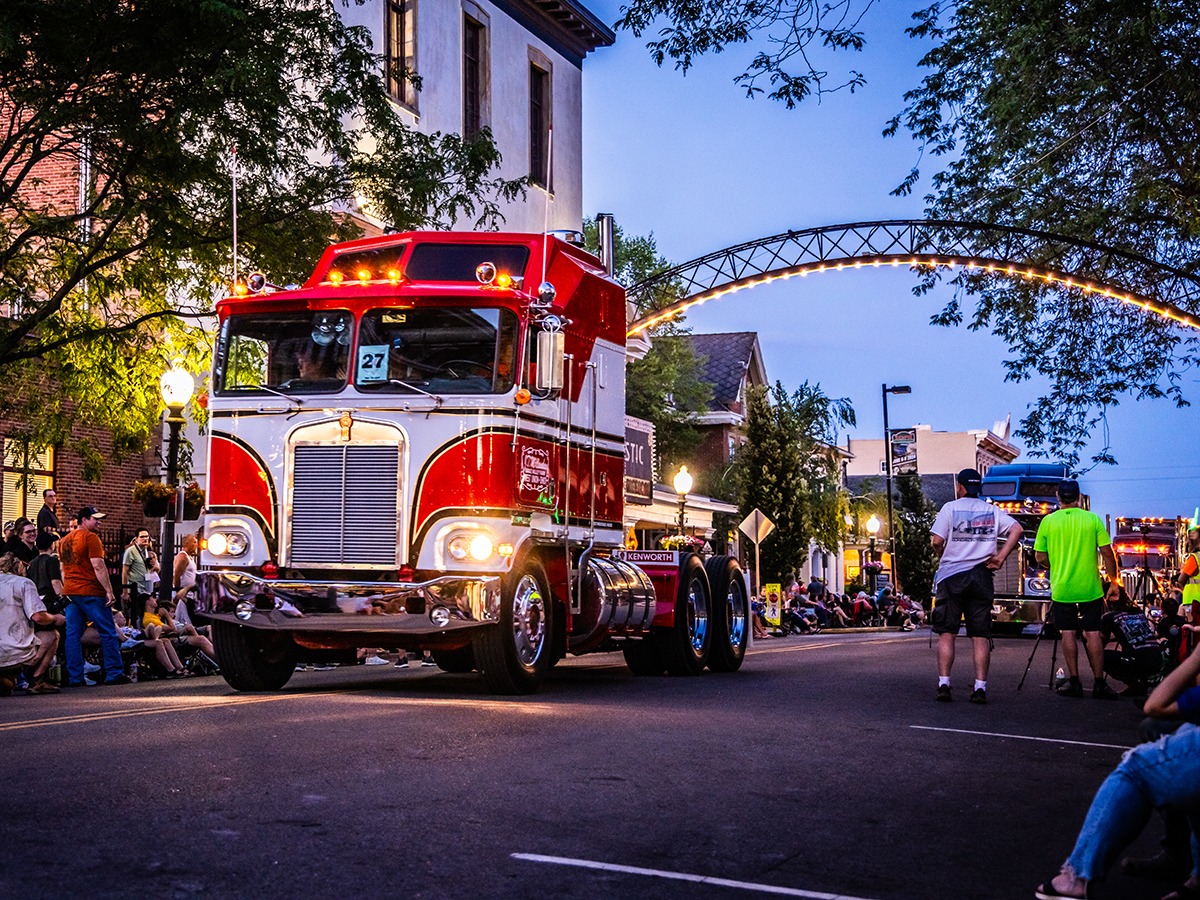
(446, 603)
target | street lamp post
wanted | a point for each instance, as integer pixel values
(887, 452)
(176, 386)
(683, 483)
(873, 524)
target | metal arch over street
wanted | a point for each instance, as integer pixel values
(1004, 250)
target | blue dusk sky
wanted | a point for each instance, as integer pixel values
(694, 162)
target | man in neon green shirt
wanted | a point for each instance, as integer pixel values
(1067, 543)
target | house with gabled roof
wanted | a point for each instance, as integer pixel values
(732, 364)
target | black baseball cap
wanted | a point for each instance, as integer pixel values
(90, 512)
(1068, 491)
(971, 480)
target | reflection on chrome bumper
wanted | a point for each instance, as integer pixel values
(441, 604)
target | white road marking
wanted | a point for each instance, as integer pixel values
(1023, 737)
(680, 876)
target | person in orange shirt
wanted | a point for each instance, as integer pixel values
(86, 582)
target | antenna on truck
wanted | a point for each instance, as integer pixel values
(546, 189)
(234, 175)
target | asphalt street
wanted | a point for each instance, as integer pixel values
(823, 769)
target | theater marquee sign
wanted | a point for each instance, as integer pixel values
(639, 461)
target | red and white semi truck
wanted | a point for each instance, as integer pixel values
(422, 448)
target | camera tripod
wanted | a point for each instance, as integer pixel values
(1054, 635)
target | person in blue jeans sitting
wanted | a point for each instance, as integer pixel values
(1164, 774)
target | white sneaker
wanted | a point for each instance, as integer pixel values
(375, 661)
(89, 668)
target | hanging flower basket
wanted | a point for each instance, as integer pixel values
(681, 542)
(154, 496)
(193, 501)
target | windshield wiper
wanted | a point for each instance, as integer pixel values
(270, 390)
(413, 387)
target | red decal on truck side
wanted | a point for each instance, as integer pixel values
(237, 478)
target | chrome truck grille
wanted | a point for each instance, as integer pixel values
(344, 505)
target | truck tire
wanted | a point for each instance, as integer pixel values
(460, 659)
(730, 614)
(685, 645)
(253, 660)
(513, 656)
(643, 657)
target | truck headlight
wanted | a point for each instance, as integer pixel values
(478, 547)
(228, 543)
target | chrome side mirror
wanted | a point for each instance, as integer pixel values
(551, 356)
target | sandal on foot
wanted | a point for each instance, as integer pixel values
(1047, 891)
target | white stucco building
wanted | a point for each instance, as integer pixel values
(514, 66)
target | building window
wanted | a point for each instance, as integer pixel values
(539, 126)
(28, 471)
(400, 41)
(473, 76)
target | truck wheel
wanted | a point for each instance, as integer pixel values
(514, 655)
(730, 615)
(460, 659)
(253, 660)
(643, 657)
(685, 645)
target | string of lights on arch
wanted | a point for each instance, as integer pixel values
(879, 244)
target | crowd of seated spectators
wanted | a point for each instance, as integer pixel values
(157, 639)
(813, 608)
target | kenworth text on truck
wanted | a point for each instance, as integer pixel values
(1028, 493)
(422, 448)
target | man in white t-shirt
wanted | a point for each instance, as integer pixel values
(965, 535)
(20, 645)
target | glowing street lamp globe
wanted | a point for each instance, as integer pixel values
(873, 525)
(683, 481)
(176, 385)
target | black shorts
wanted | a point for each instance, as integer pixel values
(1077, 616)
(967, 595)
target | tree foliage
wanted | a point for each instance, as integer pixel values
(105, 273)
(1077, 119)
(788, 70)
(664, 386)
(788, 469)
(915, 560)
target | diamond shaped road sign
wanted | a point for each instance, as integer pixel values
(756, 526)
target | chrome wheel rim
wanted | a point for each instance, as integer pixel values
(735, 615)
(697, 616)
(529, 621)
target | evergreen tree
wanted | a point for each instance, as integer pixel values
(915, 559)
(788, 469)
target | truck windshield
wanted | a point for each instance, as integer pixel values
(440, 351)
(292, 352)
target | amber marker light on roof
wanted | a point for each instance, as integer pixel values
(335, 278)
(393, 275)
(364, 275)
